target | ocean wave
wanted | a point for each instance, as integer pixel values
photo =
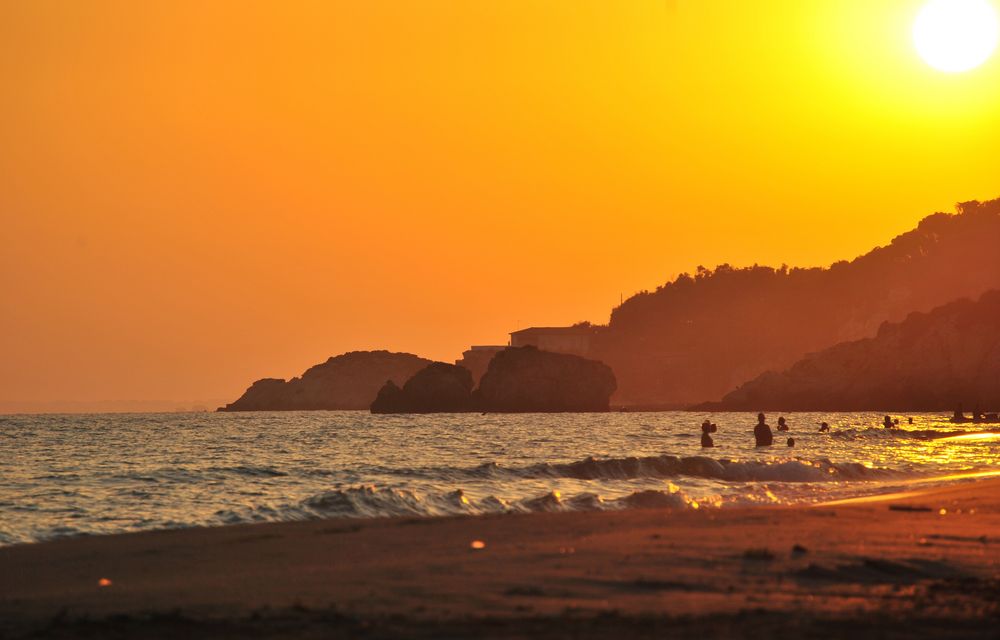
(367, 501)
(590, 468)
(185, 475)
(256, 472)
(371, 502)
(655, 467)
(639, 467)
(62, 531)
(887, 435)
(655, 499)
(668, 466)
(384, 502)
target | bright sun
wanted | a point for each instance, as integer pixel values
(956, 35)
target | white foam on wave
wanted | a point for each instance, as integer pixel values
(668, 466)
(371, 501)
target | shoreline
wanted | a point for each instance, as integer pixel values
(866, 493)
(638, 408)
(931, 555)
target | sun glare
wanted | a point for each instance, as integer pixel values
(956, 35)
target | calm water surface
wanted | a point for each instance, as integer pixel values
(85, 474)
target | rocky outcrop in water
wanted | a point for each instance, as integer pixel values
(525, 379)
(437, 388)
(932, 361)
(348, 381)
(518, 380)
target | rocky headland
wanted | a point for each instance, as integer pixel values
(348, 381)
(518, 380)
(527, 379)
(437, 388)
(935, 361)
(698, 337)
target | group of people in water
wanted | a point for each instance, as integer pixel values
(977, 416)
(764, 437)
(762, 432)
(893, 423)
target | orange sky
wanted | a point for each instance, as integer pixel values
(195, 195)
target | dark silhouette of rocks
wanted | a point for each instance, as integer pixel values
(477, 358)
(697, 337)
(518, 380)
(929, 362)
(390, 399)
(525, 379)
(437, 388)
(348, 381)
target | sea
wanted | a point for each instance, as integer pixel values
(94, 474)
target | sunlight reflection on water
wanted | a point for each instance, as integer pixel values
(71, 474)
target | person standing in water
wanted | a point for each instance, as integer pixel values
(782, 425)
(887, 422)
(706, 439)
(762, 432)
(708, 428)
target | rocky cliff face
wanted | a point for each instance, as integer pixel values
(437, 388)
(348, 381)
(518, 380)
(929, 362)
(526, 379)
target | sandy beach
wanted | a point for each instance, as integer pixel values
(921, 564)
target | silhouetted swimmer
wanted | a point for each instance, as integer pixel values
(790, 442)
(762, 432)
(887, 423)
(706, 429)
(824, 427)
(782, 425)
(909, 420)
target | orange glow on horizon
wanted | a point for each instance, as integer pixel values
(198, 195)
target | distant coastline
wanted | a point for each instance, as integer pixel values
(701, 341)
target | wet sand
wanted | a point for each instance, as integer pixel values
(921, 564)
